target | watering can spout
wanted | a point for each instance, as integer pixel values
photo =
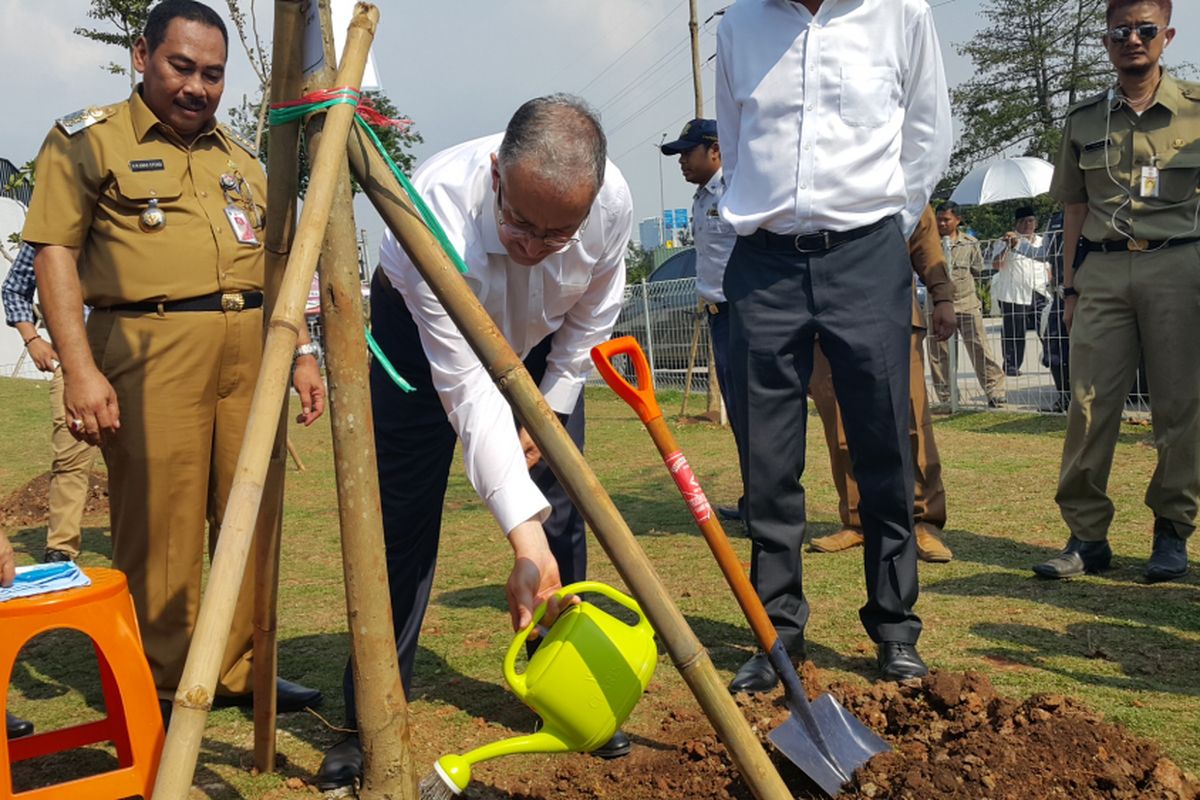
(456, 769)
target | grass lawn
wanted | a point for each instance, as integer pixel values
(1129, 650)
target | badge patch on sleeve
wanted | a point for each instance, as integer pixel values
(146, 165)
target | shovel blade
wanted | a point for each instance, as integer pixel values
(848, 744)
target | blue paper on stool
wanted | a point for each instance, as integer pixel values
(43, 578)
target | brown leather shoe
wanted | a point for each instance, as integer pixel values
(930, 546)
(837, 542)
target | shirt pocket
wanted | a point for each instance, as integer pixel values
(868, 96)
(1179, 178)
(134, 192)
(1103, 175)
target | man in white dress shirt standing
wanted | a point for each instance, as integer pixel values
(542, 220)
(834, 122)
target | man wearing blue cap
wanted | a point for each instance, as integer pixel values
(700, 162)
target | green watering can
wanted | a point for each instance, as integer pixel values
(586, 676)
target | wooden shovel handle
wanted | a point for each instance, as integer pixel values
(641, 399)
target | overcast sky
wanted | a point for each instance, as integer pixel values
(459, 69)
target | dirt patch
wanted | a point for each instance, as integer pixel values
(954, 739)
(30, 505)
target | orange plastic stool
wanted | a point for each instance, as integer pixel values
(103, 611)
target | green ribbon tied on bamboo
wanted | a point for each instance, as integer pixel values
(366, 116)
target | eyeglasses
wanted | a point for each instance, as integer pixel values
(1145, 31)
(555, 240)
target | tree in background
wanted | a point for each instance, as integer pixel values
(1033, 60)
(129, 18)
(638, 263)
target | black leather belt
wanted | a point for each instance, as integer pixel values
(818, 242)
(714, 309)
(217, 301)
(1134, 245)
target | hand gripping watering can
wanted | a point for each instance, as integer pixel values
(586, 676)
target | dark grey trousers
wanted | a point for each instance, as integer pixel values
(857, 298)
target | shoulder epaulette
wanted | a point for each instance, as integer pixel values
(237, 138)
(85, 118)
(1190, 90)
(967, 237)
(1090, 101)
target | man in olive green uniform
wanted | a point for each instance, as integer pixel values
(966, 261)
(1128, 177)
(929, 496)
(137, 213)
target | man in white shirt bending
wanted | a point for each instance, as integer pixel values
(542, 220)
(834, 122)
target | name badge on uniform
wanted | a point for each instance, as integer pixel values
(239, 223)
(1149, 187)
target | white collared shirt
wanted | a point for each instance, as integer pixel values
(830, 122)
(1024, 272)
(575, 295)
(714, 239)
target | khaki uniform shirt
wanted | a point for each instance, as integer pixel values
(966, 261)
(1104, 150)
(929, 262)
(94, 185)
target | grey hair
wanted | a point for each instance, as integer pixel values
(560, 138)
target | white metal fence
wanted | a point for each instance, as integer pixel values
(662, 317)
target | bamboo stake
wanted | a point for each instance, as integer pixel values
(691, 362)
(193, 699)
(295, 454)
(511, 377)
(282, 187)
(382, 709)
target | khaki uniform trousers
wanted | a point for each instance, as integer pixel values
(1131, 305)
(184, 383)
(974, 338)
(929, 496)
(70, 472)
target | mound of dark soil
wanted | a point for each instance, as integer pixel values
(954, 738)
(30, 504)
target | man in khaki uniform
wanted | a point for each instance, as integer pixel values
(929, 496)
(1128, 176)
(135, 214)
(966, 261)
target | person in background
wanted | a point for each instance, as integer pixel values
(966, 263)
(929, 498)
(700, 162)
(1129, 183)
(826, 177)
(14, 726)
(71, 458)
(1020, 286)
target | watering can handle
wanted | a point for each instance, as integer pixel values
(639, 397)
(517, 680)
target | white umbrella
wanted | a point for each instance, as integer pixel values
(1007, 179)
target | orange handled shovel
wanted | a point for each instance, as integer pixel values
(821, 738)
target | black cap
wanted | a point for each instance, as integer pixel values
(1024, 211)
(696, 132)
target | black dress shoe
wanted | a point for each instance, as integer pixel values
(1168, 559)
(900, 661)
(16, 727)
(754, 676)
(729, 513)
(289, 697)
(342, 765)
(1077, 558)
(616, 747)
(52, 556)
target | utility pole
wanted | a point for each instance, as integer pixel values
(697, 84)
(662, 203)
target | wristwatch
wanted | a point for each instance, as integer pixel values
(1069, 291)
(308, 349)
